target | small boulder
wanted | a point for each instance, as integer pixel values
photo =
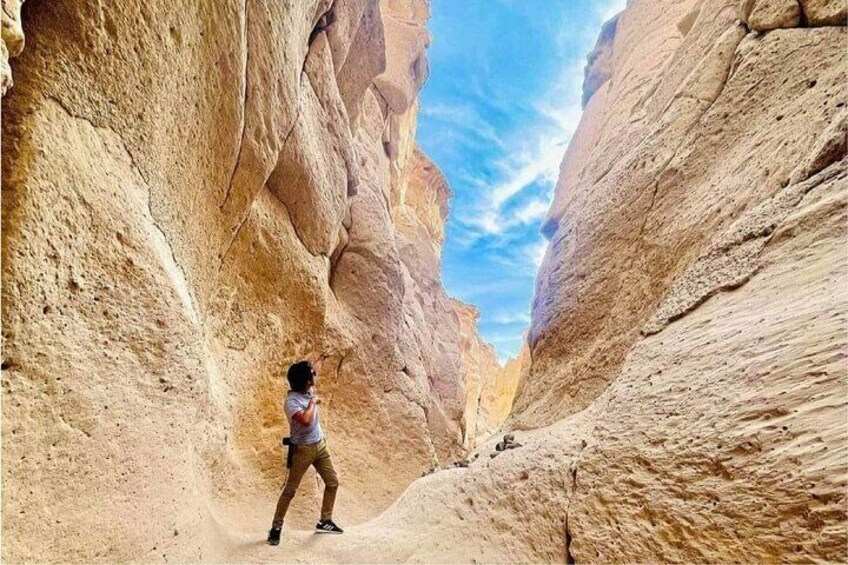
(825, 12)
(765, 15)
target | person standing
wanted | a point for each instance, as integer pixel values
(308, 446)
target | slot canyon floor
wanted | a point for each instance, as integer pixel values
(453, 515)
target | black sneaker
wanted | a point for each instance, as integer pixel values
(327, 527)
(274, 536)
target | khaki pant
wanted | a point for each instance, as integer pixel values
(305, 455)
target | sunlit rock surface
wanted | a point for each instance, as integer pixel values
(686, 399)
(196, 194)
(694, 296)
(499, 391)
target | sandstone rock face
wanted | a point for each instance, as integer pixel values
(481, 369)
(763, 15)
(195, 195)
(825, 12)
(683, 394)
(693, 303)
(11, 40)
(498, 393)
(686, 398)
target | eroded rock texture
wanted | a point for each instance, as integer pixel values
(683, 395)
(687, 393)
(196, 194)
(498, 393)
(694, 296)
(481, 378)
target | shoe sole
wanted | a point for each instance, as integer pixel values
(273, 543)
(317, 531)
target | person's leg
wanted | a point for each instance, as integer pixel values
(324, 465)
(303, 458)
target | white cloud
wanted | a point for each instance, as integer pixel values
(536, 157)
(537, 251)
(509, 318)
(533, 211)
(464, 118)
(538, 164)
(606, 10)
(525, 258)
(500, 200)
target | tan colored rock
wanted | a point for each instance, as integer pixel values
(825, 12)
(707, 201)
(627, 180)
(316, 170)
(686, 399)
(358, 59)
(425, 191)
(410, 11)
(687, 22)
(677, 308)
(703, 436)
(11, 40)
(196, 195)
(407, 69)
(765, 15)
(481, 367)
(498, 393)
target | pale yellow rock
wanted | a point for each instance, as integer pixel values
(11, 40)
(481, 366)
(364, 54)
(623, 186)
(196, 195)
(498, 393)
(825, 12)
(683, 394)
(687, 223)
(411, 11)
(714, 211)
(426, 192)
(407, 69)
(599, 62)
(764, 15)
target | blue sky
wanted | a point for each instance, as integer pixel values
(501, 104)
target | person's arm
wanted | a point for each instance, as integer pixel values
(305, 417)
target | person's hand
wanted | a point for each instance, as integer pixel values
(313, 395)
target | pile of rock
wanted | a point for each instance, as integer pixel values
(460, 464)
(507, 443)
(464, 463)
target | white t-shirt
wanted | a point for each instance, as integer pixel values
(300, 434)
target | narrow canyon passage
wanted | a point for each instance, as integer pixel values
(197, 194)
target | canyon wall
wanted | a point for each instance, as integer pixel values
(195, 195)
(688, 390)
(675, 145)
(689, 323)
(498, 392)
